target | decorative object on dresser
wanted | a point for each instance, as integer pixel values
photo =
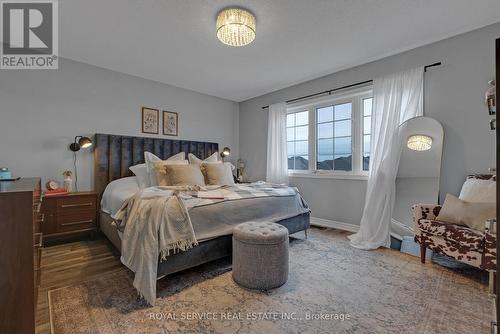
(70, 214)
(150, 120)
(170, 123)
(6, 175)
(20, 250)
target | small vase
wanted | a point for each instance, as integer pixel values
(68, 184)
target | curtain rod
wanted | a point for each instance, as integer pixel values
(329, 92)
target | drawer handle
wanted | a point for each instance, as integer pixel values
(75, 205)
(41, 218)
(40, 242)
(78, 222)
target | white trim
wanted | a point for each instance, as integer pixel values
(346, 176)
(333, 224)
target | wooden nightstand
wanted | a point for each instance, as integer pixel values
(69, 215)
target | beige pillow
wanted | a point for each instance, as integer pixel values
(150, 161)
(160, 172)
(473, 215)
(217, 173)
(183, 175)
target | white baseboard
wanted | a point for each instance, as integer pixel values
(334, 224)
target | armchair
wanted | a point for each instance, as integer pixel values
(473, 247)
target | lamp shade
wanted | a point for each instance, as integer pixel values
(83, 142)
(419, 143)
(235, 26)
(225, 152)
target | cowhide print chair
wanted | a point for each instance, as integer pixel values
(473, 247)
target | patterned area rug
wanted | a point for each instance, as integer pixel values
(332, 288)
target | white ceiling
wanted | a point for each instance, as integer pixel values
(174, 42)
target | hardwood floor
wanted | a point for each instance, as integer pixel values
(69, 264)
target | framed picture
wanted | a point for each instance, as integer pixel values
(150, 120)
(170, 123)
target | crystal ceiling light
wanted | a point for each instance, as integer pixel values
(235, 26)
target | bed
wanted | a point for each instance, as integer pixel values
(114, 154)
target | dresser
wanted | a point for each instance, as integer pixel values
(69, 215)
(20, 250)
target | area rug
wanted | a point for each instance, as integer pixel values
(332, 288)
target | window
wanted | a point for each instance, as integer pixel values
(334, 137)
(297, 136)
(330, 135)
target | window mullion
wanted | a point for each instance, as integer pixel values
(312, 138)
(356, 134)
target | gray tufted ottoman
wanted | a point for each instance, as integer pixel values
(260, 255)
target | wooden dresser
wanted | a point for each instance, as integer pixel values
(20, 250)
(69, 215)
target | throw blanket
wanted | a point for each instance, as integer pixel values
(155, 223)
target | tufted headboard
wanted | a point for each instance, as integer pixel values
(114, 154)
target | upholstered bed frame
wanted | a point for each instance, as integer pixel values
(114, 154)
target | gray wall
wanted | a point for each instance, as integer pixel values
(42, 110)
(454, 95)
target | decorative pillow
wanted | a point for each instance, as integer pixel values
(476, 190)
(151, 159)
(214, 158)
(141, 173)
(183, 175)
(217, 173)
(473, 215)
(193, 159)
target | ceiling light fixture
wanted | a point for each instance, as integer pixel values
(235, 26)
(419, 143)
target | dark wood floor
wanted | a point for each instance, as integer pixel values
(69, 264)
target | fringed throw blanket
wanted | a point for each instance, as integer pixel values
(155, 223)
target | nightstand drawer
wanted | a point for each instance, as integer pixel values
(76, 203)
(76, 221)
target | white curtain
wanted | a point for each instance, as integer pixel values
(396, 98)
(277, 160)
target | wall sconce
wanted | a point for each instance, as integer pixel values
(225, 152)
(79, 143)
(419, 143)
(489, 97)
(83, 142)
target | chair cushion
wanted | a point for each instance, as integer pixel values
(261, 233)
(457, 234)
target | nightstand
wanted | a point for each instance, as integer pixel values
(69, 215)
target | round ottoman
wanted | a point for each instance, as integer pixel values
(260, 255)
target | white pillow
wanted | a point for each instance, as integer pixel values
(151, 165)
(193, 159)
(141, 172)
(214, 158)
(478, 191)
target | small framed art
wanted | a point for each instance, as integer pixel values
(170, 123)
(150, 120)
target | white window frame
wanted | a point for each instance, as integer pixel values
(354, 96)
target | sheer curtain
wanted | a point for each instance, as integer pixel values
(277, 160)
(396, 98)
